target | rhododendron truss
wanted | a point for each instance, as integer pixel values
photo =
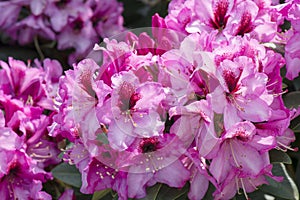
(208, 116)
(26, 94)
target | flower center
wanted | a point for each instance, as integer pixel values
(245, 24)
(220, 11)
(77, 24)
(149, 145)
(62, 3)
(14, 169)
(128, 97)
(231, 79)
(240, 135)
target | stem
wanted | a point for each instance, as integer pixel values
(37, 47)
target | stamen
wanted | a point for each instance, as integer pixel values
(233, 155)
(234, 102)
(250, 181)
(287, 147)
(271, 84)
(237, 185)
(41, 156)
(132, 121)
(244, 189)
(281, 93)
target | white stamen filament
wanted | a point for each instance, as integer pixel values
(285, 146)
(233, 155)
(244, 189)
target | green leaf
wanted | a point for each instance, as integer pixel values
(277, 156)
(257, 195)
(152, 192)
(100, 194)
(295, 124)
(167, 192)
(292, 99)
(279, 48)
(102, 137)
(219, 123)
(162, 192)
(286, 189)
(209, 193)
(68, 174)
(296, 83)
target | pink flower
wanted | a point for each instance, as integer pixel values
(292, 56)
(107, 17)
(6, 9)
(31, 27)
(152, 160)
(230, 17)
(20, 175)
(242, 155)
(134, 108)
(242, 89)
(32, 85)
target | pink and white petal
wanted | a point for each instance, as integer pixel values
(199, 185)
(174, 175)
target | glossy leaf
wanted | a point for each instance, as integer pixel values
(286, 189)
(100, 194)
(162, 192)
(295, 124)
(292, 99)
(277, 156)
(68, 174)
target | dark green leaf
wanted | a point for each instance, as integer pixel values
(68, 174)
(277, 156)
(296, 83)
(167, 192)
(286, 189)
(209, 194)
(100, 194)
(162, 192)
(292, 99)
(102, 137)
(256, 195)
(152, 192)
(17, 52)
(279, 48)
(295, 124)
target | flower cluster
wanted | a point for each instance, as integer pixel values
(291, 12)
(26, 96)
(200, 102)
(74, 24)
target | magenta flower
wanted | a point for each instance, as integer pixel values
(20, 175)
(152, 160)
(229, 17)
(199, 175)
(33, 86)
(31, 27)
(135, 110)
(78, 34)
(7, 8)
(241, 154)
(102, 168)
(241, 89)
(292, 56)
(107, 17)
(235, 181)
